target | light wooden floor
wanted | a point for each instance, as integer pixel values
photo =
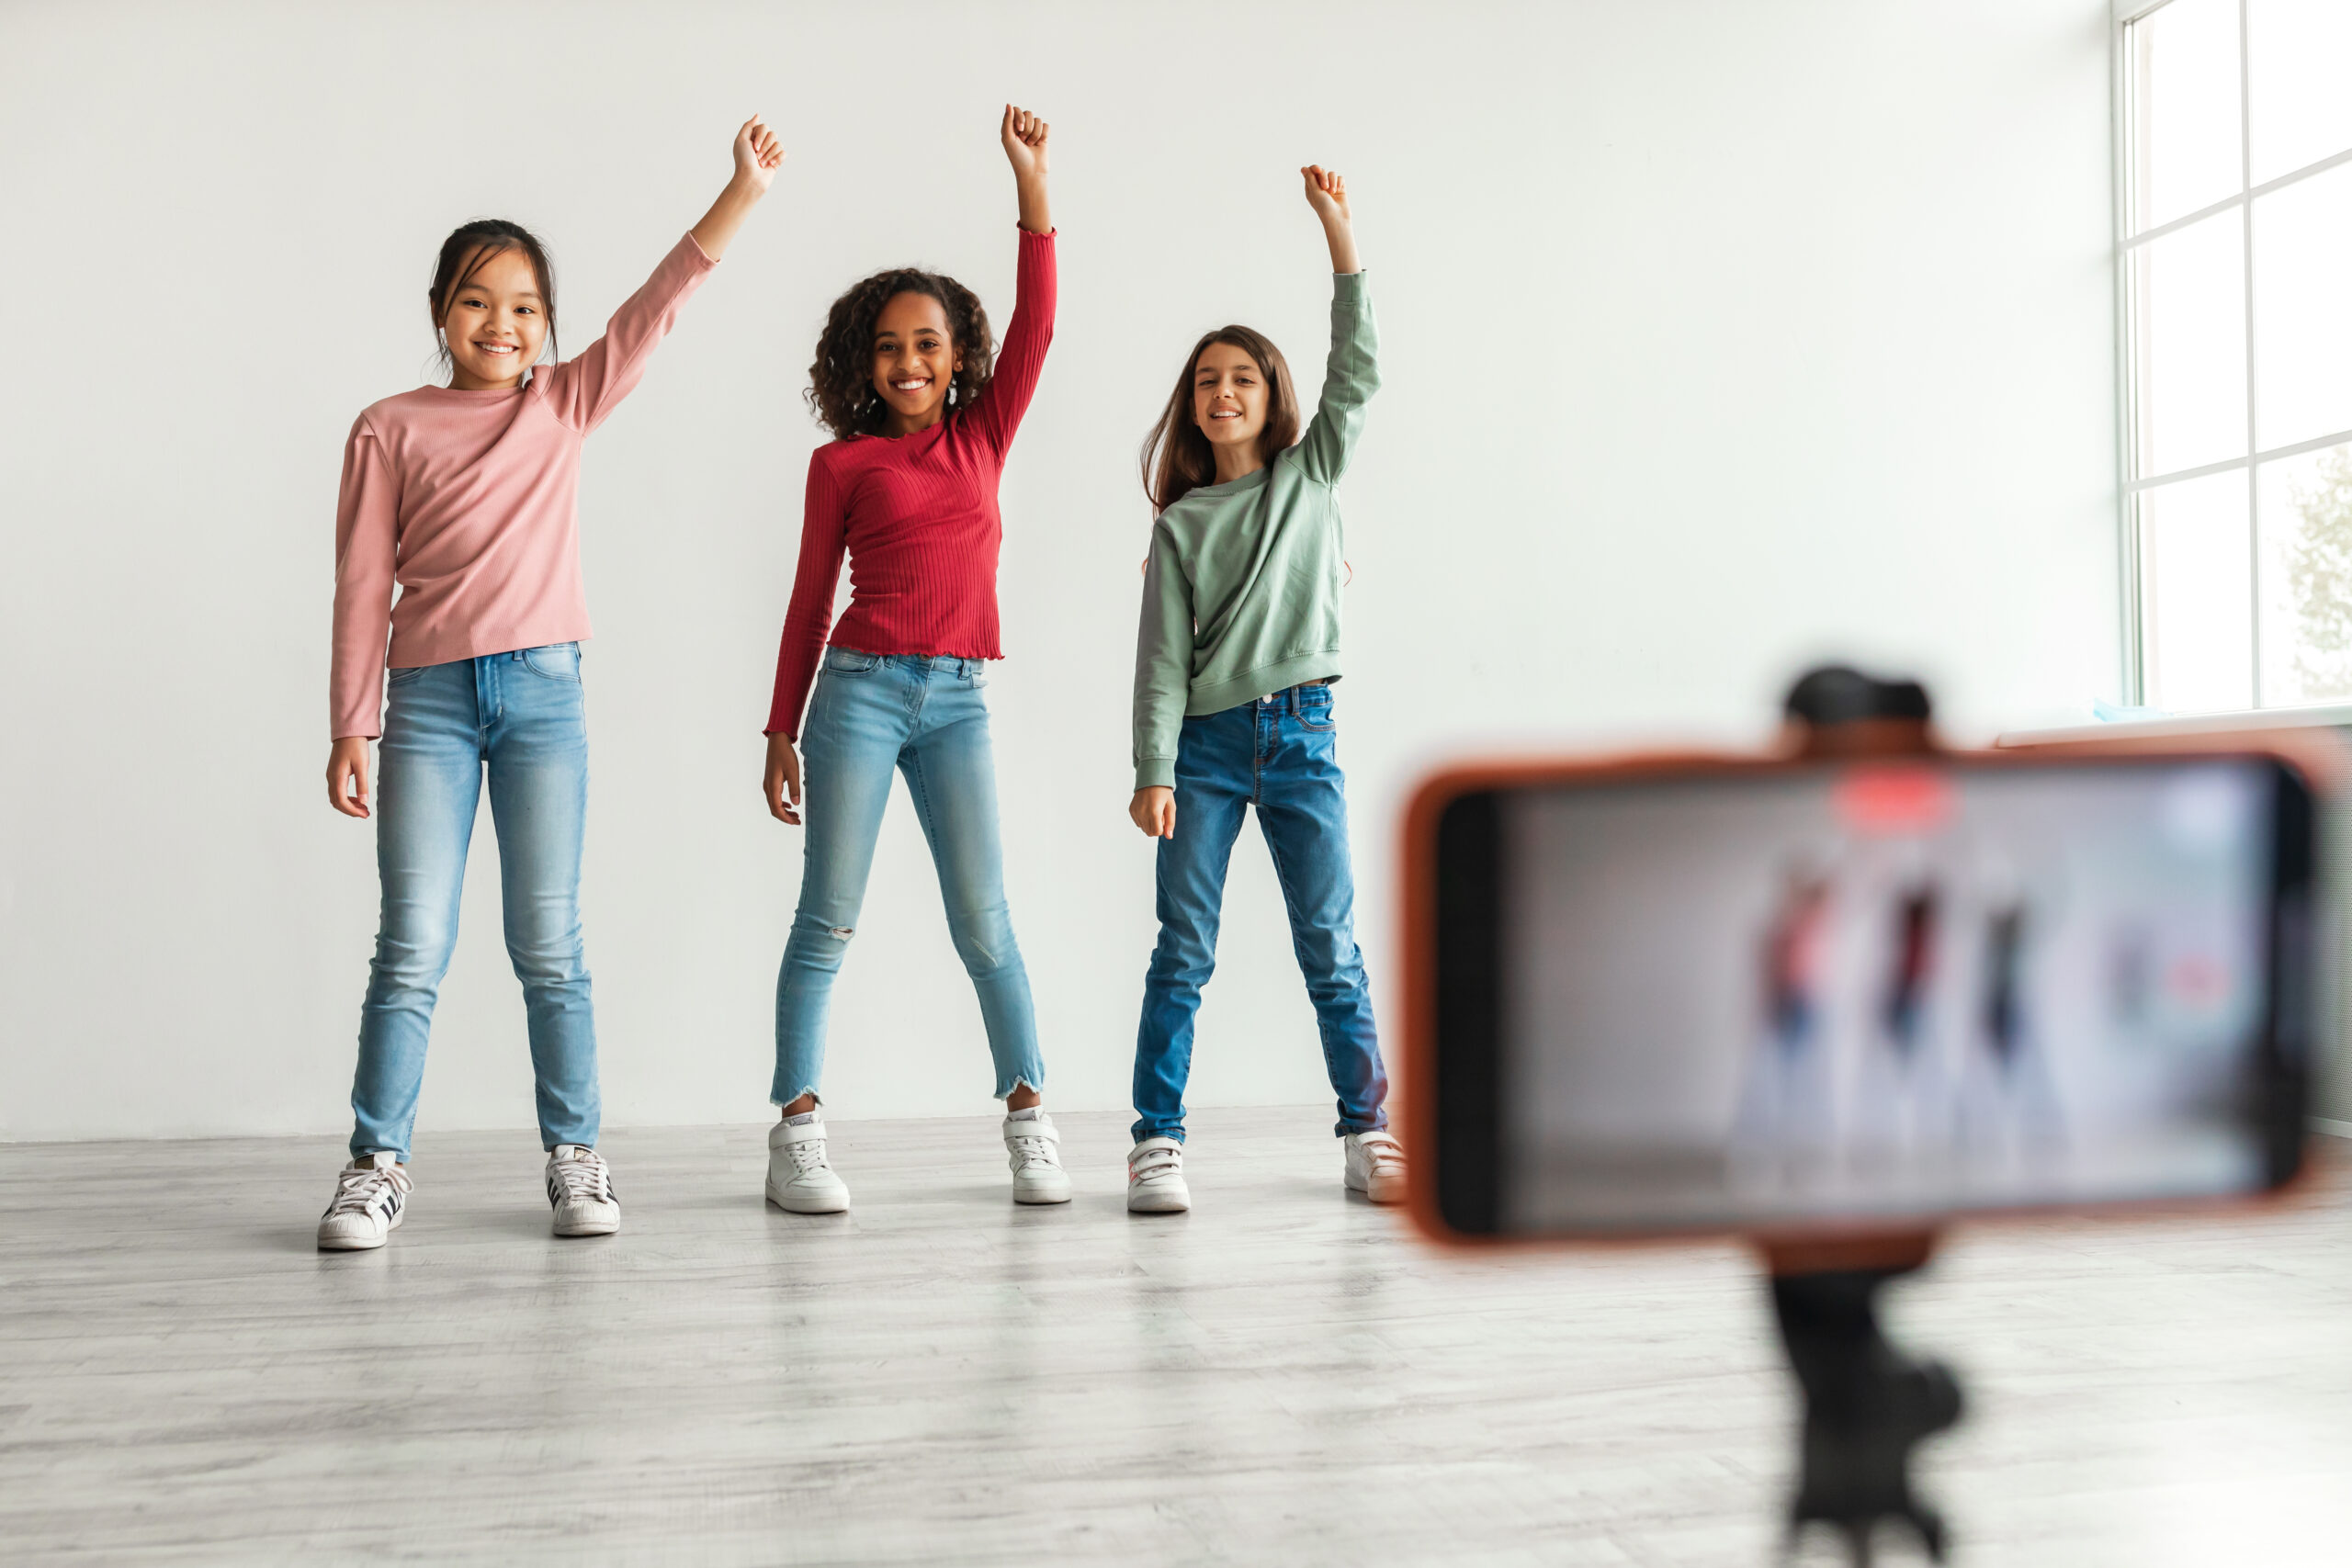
(1283, 1376)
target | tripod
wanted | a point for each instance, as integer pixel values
(1866, 1406)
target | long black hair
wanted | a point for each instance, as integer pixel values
(471, 244)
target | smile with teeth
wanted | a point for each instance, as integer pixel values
(495, 347)
(915, 385)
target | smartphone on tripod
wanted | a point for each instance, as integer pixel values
(1674, 995)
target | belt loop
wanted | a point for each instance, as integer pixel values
(1292, 692)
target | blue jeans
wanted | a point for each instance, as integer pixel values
(1278, 754)
(926, 717)
(518, 714)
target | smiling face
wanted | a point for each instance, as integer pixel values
(915, 357)
(495, 322)
(1229, 396)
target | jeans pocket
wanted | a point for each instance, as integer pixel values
(1315, 710)
(403, 677)
(557, 662)
(849, 662)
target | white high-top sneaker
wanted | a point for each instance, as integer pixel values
(370, 1196)
(580, 1188)
(1156, 1177)
(798, 1179)
(1376, 1167)
(1033, 1147)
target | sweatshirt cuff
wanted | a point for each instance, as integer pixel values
(1156, 772)
(1347, 288)
(703, 260)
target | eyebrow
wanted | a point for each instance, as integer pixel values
(478, 289)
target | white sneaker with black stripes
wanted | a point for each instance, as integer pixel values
(580, 1187)
(370, 1196)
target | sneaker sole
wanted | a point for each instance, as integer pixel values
(1040, 1193)
(1159, 1203)
(354, 1244)
(338, 1244)
(591, 1227)
(1388, 1199)
(819, 1206)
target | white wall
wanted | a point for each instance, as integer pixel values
(1717, 336)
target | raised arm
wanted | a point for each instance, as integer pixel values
(758, 155)
(584, 392)
(1022, 358)
(1023, 135)
(1351, 374)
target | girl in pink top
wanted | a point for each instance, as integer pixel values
(465, 498)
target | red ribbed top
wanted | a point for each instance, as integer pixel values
(917, 515)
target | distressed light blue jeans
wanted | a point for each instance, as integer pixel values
(518, 717)
(1279, 755)
(924, 718)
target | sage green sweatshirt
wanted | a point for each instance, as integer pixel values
(1241, 594)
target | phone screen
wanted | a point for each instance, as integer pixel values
(1894, 988)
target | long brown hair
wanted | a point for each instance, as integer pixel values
(840, 380)
(1176, 456)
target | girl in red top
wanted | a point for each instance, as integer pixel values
(924, 408)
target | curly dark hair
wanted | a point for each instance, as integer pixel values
(840, 380)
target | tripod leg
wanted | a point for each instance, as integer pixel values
(1866, 1406)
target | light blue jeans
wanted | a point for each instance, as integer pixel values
(518, 716)
(926, 718)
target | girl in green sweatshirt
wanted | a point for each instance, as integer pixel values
(1234, 664)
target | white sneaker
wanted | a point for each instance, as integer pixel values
(1376, 1167)
(798, 1179)
(370, 1196)
(1156, 1177)
(579, 1186)
(1033, 1147)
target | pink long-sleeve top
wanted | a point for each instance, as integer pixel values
(917, 515)
(469, 503)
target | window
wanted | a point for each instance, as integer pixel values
(2234, 259)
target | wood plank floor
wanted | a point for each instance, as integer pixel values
(1283, 1376)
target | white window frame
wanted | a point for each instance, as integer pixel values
(2131, 484)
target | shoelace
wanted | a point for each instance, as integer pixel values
(806, 1156)
(1156, 1164)
(1034, 1150)
(584, 1177)
(356, 1191)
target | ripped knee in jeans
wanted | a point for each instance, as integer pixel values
(840, 933)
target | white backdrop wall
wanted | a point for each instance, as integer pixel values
(1718, 334)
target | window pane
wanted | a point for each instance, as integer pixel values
(2185, 103)
(2188, 293)
(2195, 577)
(2303, 308)
(2306, 510)
(2299, 56)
